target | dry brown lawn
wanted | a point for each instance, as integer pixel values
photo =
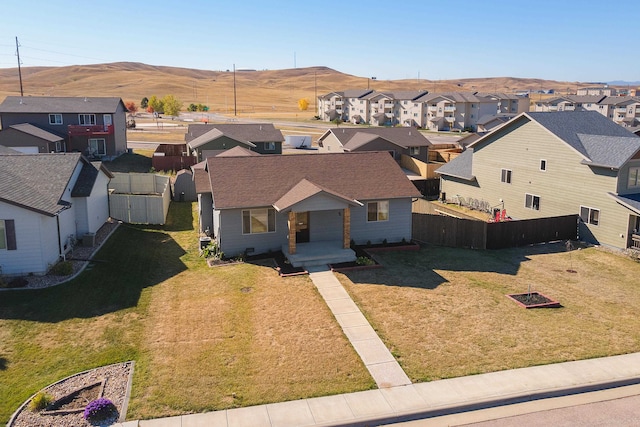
(238, 336)
(443, 312)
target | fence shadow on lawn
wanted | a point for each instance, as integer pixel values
(134, 258)
(419, 269)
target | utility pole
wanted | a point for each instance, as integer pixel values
(315, 82)
(19, 70)
(235, 104)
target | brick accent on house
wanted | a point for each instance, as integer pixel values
(292, 232)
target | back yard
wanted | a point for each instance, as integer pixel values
(212, 338)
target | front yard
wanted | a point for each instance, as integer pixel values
(213, 338)
(443, 311)
(202, 338)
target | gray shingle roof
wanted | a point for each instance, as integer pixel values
(356, 176)
(609, 151)
(572, 126)
(55, 104)
(37, 181)
(37, 132)
(252, 132)
(460, 167)
(631, 201)
(401, 136)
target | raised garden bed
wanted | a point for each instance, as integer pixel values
(534, 300)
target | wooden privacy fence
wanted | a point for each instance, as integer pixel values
(464, 233)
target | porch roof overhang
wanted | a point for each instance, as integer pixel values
(631, 201)
(306, 193)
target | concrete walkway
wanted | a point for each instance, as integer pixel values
(377, 358)
(424, 400)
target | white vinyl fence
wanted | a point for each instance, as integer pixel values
(139, 198)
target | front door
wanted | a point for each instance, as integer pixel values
(302, 227)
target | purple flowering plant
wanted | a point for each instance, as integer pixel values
(99, 409)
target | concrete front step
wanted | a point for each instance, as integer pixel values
(326, 261)
(319, 253)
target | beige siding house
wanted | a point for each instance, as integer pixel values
(549, 164)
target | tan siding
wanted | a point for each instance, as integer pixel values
(562, 188)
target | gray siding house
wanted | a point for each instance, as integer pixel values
(397, 141)
(256, 204)
(545, 164)
(95, 127)
(46, 202)
(206, 140)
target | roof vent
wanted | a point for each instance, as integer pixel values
(260, 127)
(85, 99)
(20, 101)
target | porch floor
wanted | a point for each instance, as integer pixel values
(318, 253)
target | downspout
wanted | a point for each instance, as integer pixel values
(59, 241)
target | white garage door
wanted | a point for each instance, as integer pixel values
(26, 150)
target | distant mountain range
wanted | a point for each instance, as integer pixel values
(623, 83)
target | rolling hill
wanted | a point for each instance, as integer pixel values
(261, 91)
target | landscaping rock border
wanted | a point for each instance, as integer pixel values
(117, 388)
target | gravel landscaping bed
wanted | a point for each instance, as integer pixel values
(116, 386)
(78, 258)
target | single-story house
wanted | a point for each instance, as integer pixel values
(47, 201)
(208, 140)
(257, 204)
(395, 140)
(544, 164)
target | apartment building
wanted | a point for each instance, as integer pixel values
(435, 111)
(623, 110)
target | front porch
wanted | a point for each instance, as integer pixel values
(318, 253)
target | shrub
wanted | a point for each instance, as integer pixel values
(40, 401)
(63, 268)
(212, 251)
(99, 410)
(363, 260)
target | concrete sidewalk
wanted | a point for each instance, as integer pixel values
(396, 399)
(377, 358)
(423, 400)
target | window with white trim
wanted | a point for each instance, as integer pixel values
(505, 176)
(269, 146)
(543, 165)
(55, 119)
(3, 235)
(634, 177)
(532, 202)
(97, 147)
(378, 211)
(414, 151)
(7, 235)
(590, 215)
(87, 119)
(255, 221)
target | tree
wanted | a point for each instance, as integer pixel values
(131, 107)
(337, 121)
(303, 104)
(155, 105)
(144, 103)
(192, 107)
(172, 105)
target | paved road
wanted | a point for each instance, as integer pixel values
(617, 407)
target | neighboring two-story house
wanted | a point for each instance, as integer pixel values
(550, 164)
(209, 140)
(95, 127)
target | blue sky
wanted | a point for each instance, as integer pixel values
(567, 40)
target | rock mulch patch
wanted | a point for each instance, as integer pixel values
(78, 258)
(71, 395)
